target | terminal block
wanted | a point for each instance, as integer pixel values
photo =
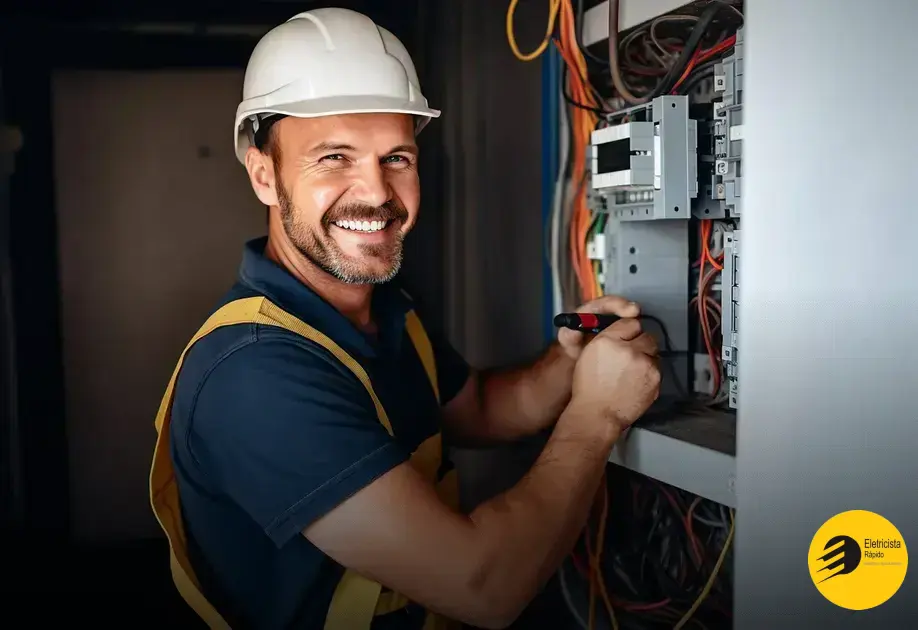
(729, 306)
(647, 166)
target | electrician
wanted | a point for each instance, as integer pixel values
(299, 470)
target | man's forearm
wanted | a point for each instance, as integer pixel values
(527, 531)
(523, 401)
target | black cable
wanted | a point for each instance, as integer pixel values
(667, 340)
(651, 545)
(570, 99)
(691, 47)
(699, 74)
(669, 352)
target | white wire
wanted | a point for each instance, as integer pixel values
(717, 239)
(557, 205)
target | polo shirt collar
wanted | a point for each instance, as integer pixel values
(390, 304)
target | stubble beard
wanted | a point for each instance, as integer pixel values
(379, 263)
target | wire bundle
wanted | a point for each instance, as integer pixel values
(706, 307)
(665, 568)
(671, 59)
(673, 63)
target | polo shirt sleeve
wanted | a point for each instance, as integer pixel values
(288, 433)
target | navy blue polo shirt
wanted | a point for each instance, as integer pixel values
(270, 432)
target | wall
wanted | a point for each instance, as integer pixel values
(827, 419)
(152, 211)
(490, 167)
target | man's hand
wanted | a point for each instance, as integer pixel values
(617, 377)
(572, 342)
(500, 405)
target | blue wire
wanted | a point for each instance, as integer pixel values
(551, 87)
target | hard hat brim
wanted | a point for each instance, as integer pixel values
(330, 106)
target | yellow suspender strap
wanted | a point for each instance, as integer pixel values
(355, 600)
(425, 350)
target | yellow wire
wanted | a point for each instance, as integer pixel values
(597, 268)
(707, 587)
(553, 7)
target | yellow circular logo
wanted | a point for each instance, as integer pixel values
(858, 560)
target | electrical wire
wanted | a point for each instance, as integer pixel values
(556, 212)
(701, 73)
(705, 281)
(553, 7)
(583, 122)
(677, 70)
(674, 554)
(710, 582)
(703, 56)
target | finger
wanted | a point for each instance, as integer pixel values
(568, 337)
(612, 305)
(624, 329)
(647, 344)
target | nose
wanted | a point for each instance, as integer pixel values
(371, 186)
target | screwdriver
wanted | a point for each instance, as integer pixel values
(585, 322)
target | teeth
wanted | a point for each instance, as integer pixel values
(362, 226)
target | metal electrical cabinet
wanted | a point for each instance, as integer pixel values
(659, 171)
(817, 293)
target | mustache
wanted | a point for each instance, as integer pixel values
(389, 211)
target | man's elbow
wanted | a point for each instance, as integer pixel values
(493, 605)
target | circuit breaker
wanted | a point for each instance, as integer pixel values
(647, 165)
(727, 191)
(728, 131)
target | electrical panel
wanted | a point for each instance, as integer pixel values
(659, 222)
(653, 168)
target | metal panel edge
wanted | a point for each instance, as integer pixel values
(704, 472)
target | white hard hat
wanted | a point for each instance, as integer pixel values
(326, 62)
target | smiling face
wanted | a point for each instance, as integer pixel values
(345, 189)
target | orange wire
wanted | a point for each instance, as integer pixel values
(582, 122)
(704, 281)
(706, 229)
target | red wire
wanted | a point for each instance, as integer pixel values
(633, 607)
(578, 564)
(701, 56)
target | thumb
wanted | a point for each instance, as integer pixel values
(623, 329)
(569, 337)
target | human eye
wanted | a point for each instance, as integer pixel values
(397, 160)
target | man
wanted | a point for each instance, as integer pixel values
(297, 467)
